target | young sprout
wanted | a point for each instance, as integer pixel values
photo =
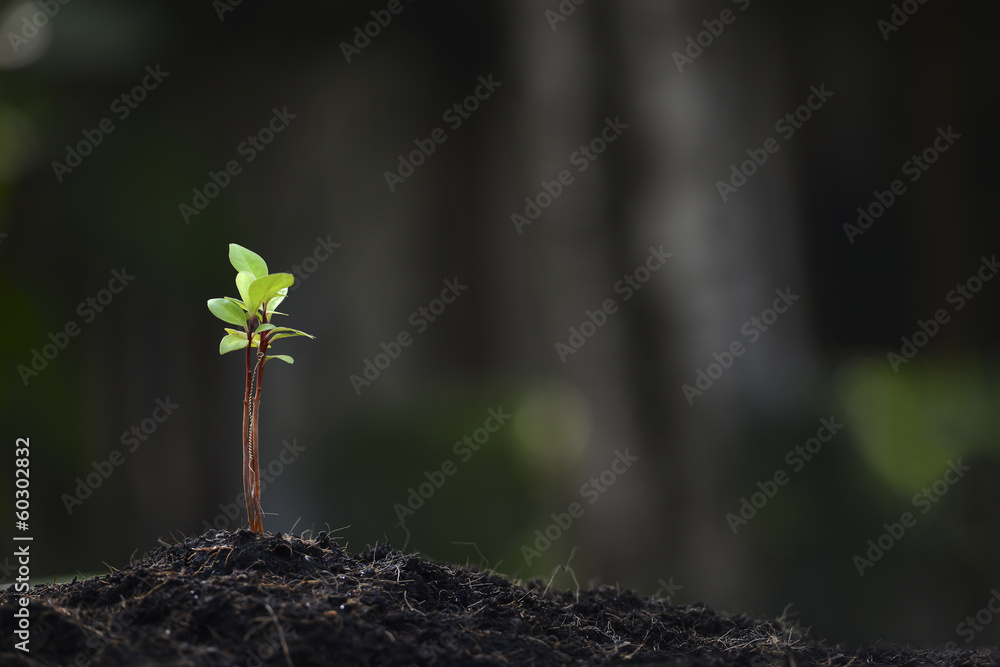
(260, 294)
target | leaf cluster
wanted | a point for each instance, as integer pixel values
(260, 295)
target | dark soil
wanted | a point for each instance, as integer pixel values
(242, 599)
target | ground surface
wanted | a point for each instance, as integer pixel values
(241, 599)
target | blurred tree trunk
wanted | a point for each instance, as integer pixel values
(657, 186)
(729, 258)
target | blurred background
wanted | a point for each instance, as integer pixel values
(518, 170)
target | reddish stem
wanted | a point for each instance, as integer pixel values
(249, 460)
(257, 523)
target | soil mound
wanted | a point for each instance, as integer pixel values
(237, 598)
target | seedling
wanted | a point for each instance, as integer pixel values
(260, 294)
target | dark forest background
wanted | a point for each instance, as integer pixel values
(315, 200)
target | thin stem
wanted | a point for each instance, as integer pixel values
(255, 433)
(258, 515)
(249, 460)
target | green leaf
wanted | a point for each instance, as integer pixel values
(227, 311)
(284, 357)
(294, 332)
(243, 281)
(277, 337)
(264, 327)
(263, 289)
(232, 342)
(243, 335)
(247, 260)
(255, 341)
(273, 303)
(239, 303)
